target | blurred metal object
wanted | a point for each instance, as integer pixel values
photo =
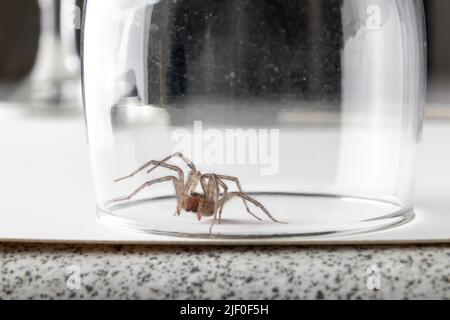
(55, 77)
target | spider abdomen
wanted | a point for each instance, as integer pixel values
(197, 203)
(192, 204)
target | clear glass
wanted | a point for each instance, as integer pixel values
(315, 106)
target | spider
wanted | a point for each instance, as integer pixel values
(210, 203)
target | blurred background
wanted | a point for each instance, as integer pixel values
(438, 52)
(40, 53)
(21, 23)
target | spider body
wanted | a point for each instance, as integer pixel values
(197, 203)
(209, 203)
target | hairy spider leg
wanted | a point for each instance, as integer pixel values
(220, 183)
(236, 180)
(215, 200)
(238, 184)
(156, 164)
(148, 184)
(250, 199)
(180, 184)
(188, 162)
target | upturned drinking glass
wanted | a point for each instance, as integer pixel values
(283, 118)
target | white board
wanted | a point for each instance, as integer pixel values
(46, 193)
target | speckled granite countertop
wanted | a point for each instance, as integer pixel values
(136, 272)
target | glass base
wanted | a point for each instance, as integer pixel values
(302, 215)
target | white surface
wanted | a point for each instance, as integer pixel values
(46, 191)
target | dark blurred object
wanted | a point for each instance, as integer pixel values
(19, 37)
(283, 58)
(438, 58)
(438, 44)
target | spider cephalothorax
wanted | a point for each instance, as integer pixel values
(215, 194)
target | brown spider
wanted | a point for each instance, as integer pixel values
(210, 203)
